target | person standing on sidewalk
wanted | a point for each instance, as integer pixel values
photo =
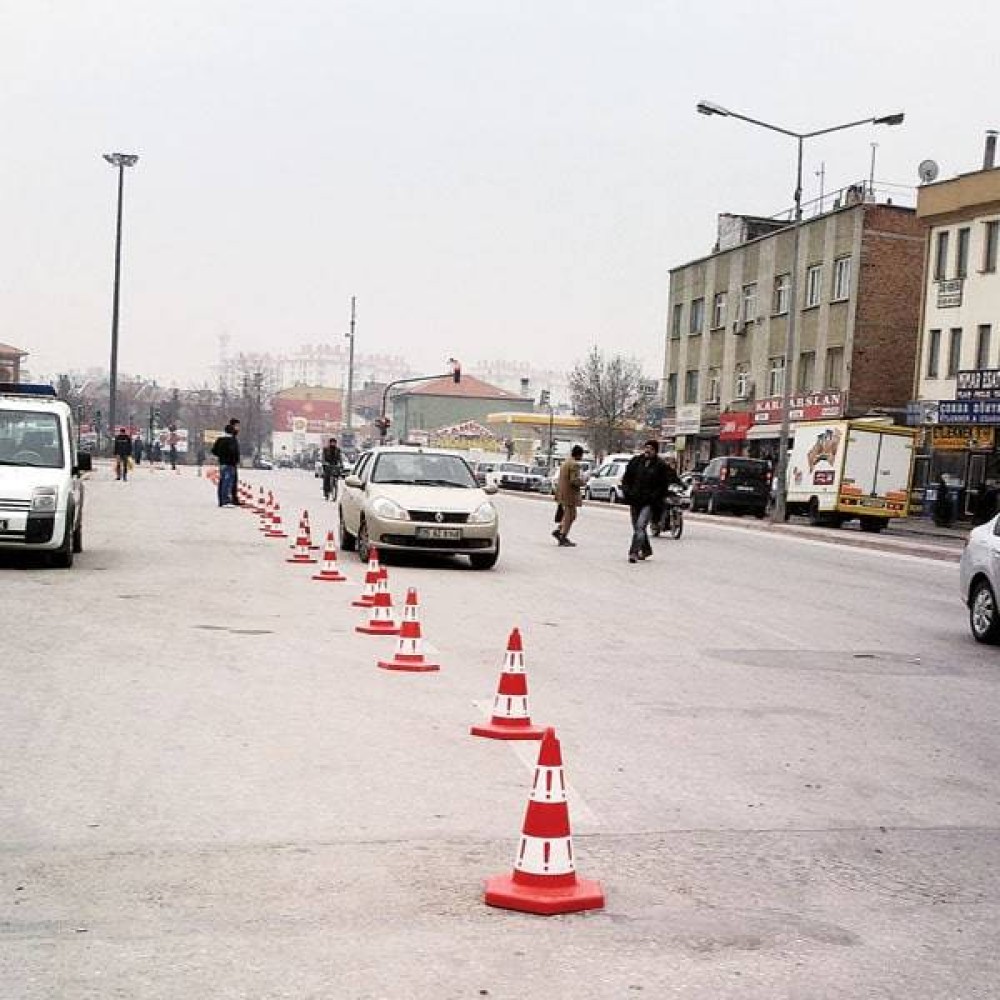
(227, 450)
(123, 452)
(568, 495)
(644, 485)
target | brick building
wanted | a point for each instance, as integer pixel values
(859, 287)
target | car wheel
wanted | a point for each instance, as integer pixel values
(348, 542)
(815, 517)
(614, 496)
(485, 560)
(984, 618)
(872, 524)
(78, 536)
(586, 493)
(62, 558)
(364, 545)
(760, 513)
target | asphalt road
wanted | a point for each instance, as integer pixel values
(783, 759)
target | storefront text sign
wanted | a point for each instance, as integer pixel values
(810, 406)
(963, 438)
(688, 419)
(969, 411)
(734, 426)
(979, 383)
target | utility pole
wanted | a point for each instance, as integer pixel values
(349, 404)
(821, 174)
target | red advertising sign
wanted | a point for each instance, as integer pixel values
(321, 415)
(803, 406)
(734, 426)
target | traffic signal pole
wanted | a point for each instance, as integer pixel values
(383, 421)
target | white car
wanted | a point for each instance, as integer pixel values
(606, 482)
(979, 576)
(418, 500)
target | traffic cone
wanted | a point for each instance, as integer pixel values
(381, 621)
(276, 530)
(305, 518)
(511, 720)
(544, 878)
(302, 553)
(261, 505)
(265, 514)
(409, 647)
(367, 598)
(329, 572)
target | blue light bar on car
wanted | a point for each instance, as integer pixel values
(26, 389)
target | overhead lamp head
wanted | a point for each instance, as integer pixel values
(122, 159)
(709, 108)
(895, 119)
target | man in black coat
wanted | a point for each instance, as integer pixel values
(123, 452)
(644, 485)
(227, 450)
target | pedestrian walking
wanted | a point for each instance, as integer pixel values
(227, 450)
(235, 495)
(137, 449)
(200, 457)
(568, 495)
(172, 448)
(333, 463)
(156, 453)
(122, 452)
(644, 485)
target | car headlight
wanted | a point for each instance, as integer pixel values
(44, 498)
(389, 509)
(485, 513)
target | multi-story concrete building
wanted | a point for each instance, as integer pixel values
(957, 385)
(10, 363)
(858, 307)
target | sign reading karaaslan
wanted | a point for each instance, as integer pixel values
(979, 383)
(809, 406)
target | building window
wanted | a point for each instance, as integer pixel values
(834, 367)
(933, 352)
(697, 317)
(983, 336)
(719, 310)
(713, 386)
(941, 256)
(742, 385)
(749, 303)
(691, 386)
(841, 279)
(991, 239)
(782, 290)
(962, 253)
(807, 370)
(776, 377)
(954, 351)
(814, 280)
(676, 318)
(672, 389)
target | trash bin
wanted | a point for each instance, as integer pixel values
(956, 502)
(930, 499)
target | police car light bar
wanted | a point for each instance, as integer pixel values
(26, 389)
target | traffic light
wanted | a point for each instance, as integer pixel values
(382, 423)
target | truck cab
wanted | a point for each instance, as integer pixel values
(41, 492)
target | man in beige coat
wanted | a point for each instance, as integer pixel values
(568, 494)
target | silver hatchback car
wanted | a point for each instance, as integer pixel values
(979, 580)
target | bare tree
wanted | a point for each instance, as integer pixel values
(605, 392)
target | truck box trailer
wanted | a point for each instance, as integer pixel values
(844, 469)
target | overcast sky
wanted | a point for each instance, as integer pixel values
(491, 179)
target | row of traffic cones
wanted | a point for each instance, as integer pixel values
(544, 879)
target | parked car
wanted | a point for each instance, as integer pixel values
(730, 483)
(418, 500)
(606, 482)
(518, 476)
(484, 473)
(264, 464)
(979, 580)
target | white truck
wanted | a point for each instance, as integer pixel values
(844, 469)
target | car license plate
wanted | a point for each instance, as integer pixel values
(3, 525)
(449, 534)
(744, 489)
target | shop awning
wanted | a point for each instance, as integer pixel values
(762, 432)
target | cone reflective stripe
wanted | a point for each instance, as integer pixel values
(381, 621)
(329, 572)
(511, 719)
(302, 553)
(409, 647)
(275, 530)
(367, 597)
(544, 878)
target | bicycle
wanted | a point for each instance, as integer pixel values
(672, 520)
(330, 477)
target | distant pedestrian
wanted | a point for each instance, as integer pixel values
(172, 448)
(156, 453)
(123, 452)
(942, 503)
(235, 495)
(644, 485)
(200, 457)
(227, 450)
(569, 494)
(137, 449)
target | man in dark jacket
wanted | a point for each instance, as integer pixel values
(123, 452)
(644, 485)
(333, 464)
(227, 450)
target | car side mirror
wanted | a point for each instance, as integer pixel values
(490, 488)
(84, 462)
(353, 481)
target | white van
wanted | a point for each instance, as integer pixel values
(41, 495)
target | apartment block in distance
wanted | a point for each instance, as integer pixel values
(858, 311)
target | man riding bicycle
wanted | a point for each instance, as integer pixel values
(333, 464)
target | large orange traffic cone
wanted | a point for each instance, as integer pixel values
(276, 530)
(367, 598)
(544, 878)
(511, 720)
(410, 646)
(381, 621)
(329, 572)
(302, 553)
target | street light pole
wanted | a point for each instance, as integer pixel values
(349, 408)
(708, 108)
(121, 161)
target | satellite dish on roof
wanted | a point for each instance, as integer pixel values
(927, 170)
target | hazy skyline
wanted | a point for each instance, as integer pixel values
(489, 179)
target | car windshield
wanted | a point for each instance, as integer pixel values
(30, 438)
(422, 469)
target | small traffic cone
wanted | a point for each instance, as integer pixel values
(261, 505)
(409, 647)
(302, 553)
(381, 621)
(329, 572)
(305, 518)
(544, 878)
(265, 514)
(276, 530)
(367, 598)
(511, 720)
